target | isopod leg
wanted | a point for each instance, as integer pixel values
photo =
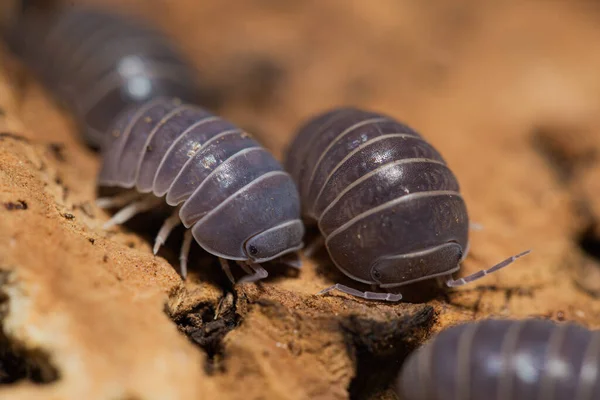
(126, 213)
(246, 268)
(226, 269)
(314, 246)
(290, 260)
(255, 273)
(365, 295)
(480, 274)
(165, 230)
(185, 251)
(120, 200)
(475, 226)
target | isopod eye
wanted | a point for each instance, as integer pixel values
(274, 242)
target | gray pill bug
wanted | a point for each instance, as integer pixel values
(387, 205)
(505, 360)
(97, 63)
(235, 199)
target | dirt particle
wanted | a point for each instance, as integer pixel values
(18, 205)
(57, 150)
(206, 326)
(68, 216)
(92, 240)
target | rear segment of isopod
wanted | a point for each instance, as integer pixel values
(505, 360)
(98, 63)
(233, 195)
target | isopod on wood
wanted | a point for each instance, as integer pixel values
(505, 359)
(97, 63)
(386, 203)
(232, 195)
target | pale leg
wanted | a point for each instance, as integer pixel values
(131, 210)
(165, 230)
(185, 251)
(245, 267)
(475, 226)
(480, 274)
(314, 246)
(120, 200)
(226, 269)
(290, 260)
(256, 273)
(392, 297)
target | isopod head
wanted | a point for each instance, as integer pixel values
(275, 242)
(258, 223)
(391, 271)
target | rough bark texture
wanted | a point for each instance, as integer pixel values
(510, 95)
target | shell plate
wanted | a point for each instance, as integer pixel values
(504, 359)
(98, 63)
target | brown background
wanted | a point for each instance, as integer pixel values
(508, 92)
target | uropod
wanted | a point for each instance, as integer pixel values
(231, 194)
(387, 205)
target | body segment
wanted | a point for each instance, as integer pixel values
(98, 63)
(505, 360)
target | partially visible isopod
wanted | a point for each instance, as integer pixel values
(98, 63)
(384, 199)
(505, 360)
(233, 196)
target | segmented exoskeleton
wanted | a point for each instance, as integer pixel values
(233, 196)
(505, 360)
(98, 62)
(386, 202)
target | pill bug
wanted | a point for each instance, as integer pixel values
(386, 203)
(505, 359)
(232, 195)
(97, 63)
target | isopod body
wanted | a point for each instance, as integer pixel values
(97, 63)
(384, 199)
(231, 193)
(505, 360)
